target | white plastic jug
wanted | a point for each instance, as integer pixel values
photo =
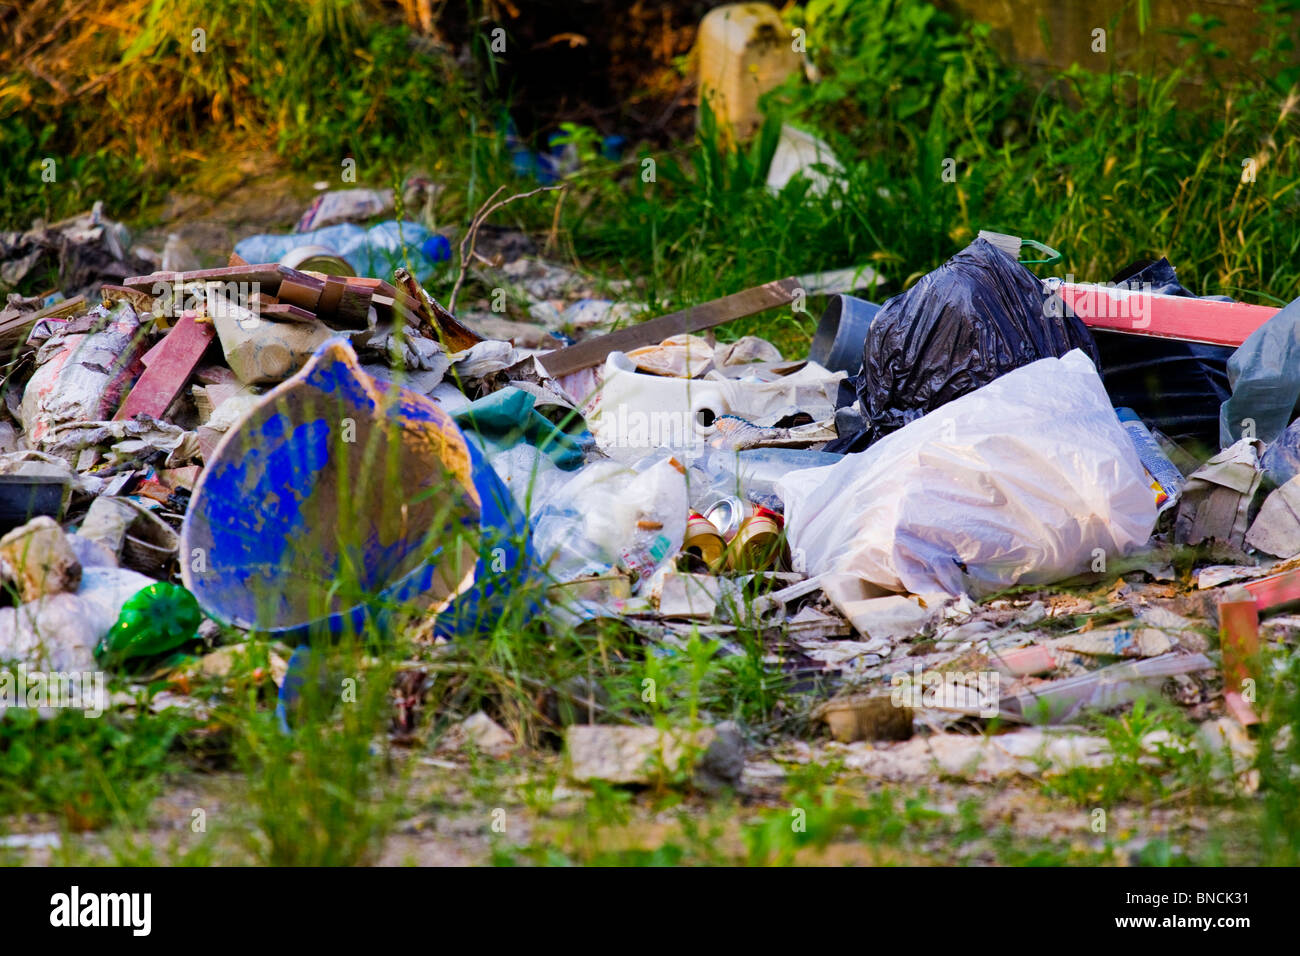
(634, 412)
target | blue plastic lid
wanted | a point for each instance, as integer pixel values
(437, 248)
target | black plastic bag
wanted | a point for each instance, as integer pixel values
(1176, 387)
(978, 316)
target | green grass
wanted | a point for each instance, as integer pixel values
(87, 772)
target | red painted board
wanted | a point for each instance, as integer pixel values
(158, 348)
(1239, 642)
(170, 367)
(1164, 316)
(1275, 590)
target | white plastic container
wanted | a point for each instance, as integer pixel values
(636, 412)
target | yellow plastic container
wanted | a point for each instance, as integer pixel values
(744, 50)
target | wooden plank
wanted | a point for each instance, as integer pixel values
(169, 369)
(343, 306)
(158, 347)
(453, 335)
(697, 318)
(284, 312)
(1164, 316)
(386, 305)
(301, 294)
(380, 287)
(266, 275)
(60, 309)
(15, 326)
(14, 330)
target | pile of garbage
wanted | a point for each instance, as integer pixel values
(296, 450)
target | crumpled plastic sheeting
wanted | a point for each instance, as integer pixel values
(507, 417)
(1281, 460)
(128, 441)
(1265, 377)
(979, 315)
(1024, 481)
(484, 358)
(405, 349)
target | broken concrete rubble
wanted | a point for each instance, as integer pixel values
(481, 732)
(38, 560)
(646, 755)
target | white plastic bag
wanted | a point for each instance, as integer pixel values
(59, 632)
(530, 475)
(614, 516)
(1027, 480)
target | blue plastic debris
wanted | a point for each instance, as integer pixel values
(341, 501)
(437, 248)
(558, 160)
(373, 251)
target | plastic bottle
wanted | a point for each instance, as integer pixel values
(750, 474)
(610, 515)
(154, 620)
(1154, 460)
(371, 252)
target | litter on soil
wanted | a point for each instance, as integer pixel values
(293, 448)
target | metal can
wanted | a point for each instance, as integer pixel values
(703, 540)
(727, 514)
(758, 544)
(320, 259)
